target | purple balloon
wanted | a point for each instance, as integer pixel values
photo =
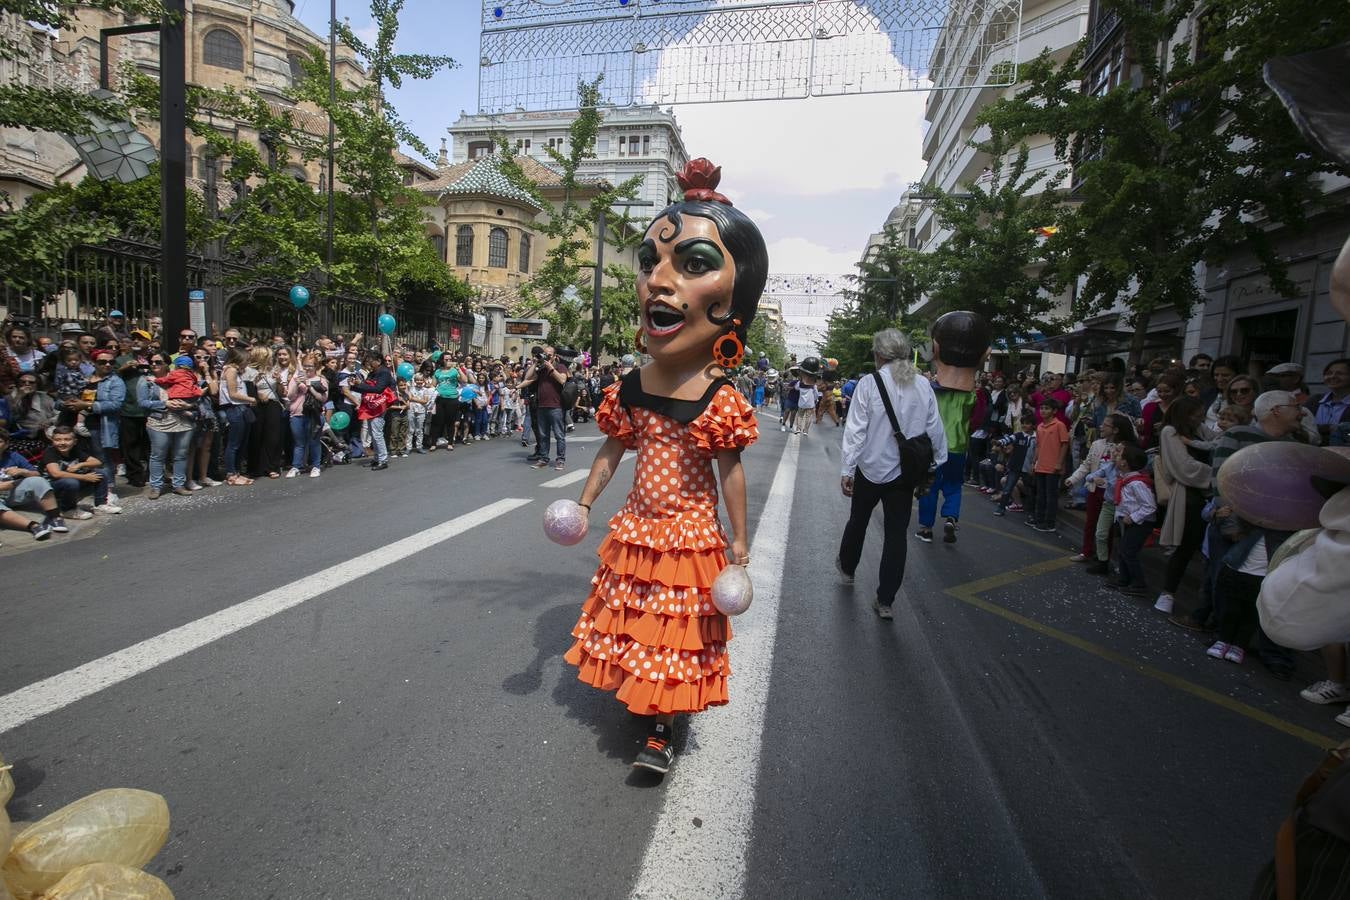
(732, 591)
(1271, 484)
(565, 522)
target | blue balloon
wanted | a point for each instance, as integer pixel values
(386, 323)
(406, 371)
(299, 296)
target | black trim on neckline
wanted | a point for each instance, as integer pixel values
(631, 394)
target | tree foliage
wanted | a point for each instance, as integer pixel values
(889, 281)
(569, 229)
(993, 262)
(278, 223)
(763, 337)
(1183, 168)
(41, 107)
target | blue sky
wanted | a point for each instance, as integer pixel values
(817, 175)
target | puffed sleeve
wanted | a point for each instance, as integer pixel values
(727, 424)
(614, 420)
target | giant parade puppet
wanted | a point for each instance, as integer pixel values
(654, 629)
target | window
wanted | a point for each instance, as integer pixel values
(623, 145)
(525, 254)
(497, 248)
(464, 246)
(222, 49)
(479, 149)
(601, 145)
(298, 173)
(523, 146)
(438, 243)
(646, 144)
(297, 69)
(633, 146)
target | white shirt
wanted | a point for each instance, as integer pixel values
(870, 445)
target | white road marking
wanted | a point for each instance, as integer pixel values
(51, 694)
(714, 782)
(585, 438)
(578, 475)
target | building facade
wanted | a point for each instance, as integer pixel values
(490, 234)
(245, 44)
(644, 141)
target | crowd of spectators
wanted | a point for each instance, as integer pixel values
(1141, 456)
(98, 411)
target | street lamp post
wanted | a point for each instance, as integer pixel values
(173, 168)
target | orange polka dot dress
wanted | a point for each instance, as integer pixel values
(649, 630)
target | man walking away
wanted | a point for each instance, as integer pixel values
(871, 469)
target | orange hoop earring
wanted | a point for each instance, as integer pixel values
(728, 351)
(640, 341)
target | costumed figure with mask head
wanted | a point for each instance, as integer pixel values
(649, 631)
(960, 347)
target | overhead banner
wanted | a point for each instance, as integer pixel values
(533, 52)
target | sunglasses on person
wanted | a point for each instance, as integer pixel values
(199, 356)
(187, 335)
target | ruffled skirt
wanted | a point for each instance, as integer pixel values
(648, 630)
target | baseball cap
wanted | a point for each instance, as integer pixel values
(117, 314)
(183, 361)
(141, 333)
(1285, 368)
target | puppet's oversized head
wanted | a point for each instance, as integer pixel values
(960, 347)
(702, 266)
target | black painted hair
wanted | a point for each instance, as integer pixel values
(746, 245)
(962, 336)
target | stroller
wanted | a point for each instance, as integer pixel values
(333, 451)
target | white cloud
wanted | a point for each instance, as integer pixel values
(809, 147)
(813, 146)
(797, 254)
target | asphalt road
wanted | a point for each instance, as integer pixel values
(412, 732)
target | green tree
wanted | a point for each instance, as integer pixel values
(994, 262)
(1180, 170)
(569, 229)
(762, 337)
(891, 280)
(39, 107)
(380, 248)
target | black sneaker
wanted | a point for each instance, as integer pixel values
(59, 525)
(658, 753)
(925, 535)
(40, 530)
(949, 531)
(847, 575)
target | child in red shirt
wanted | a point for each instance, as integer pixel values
(181, 381)
(1052, 450)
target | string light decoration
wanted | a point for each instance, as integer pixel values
(533, 52)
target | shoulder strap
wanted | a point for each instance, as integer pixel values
(890, 410)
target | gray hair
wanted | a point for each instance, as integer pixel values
(892, 349)
(1266, 403)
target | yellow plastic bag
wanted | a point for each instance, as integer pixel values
(6, 783)
(6, 832)
(108, 881)
(121, 825)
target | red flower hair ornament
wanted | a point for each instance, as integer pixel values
(699, 180)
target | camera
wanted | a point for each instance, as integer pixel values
(536, 351)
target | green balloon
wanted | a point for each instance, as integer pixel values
(339, 421)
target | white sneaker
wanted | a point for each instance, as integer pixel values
(314, 472)
(1164, 603)
(292, 472)
(1217, 650)
(210, 482)
(108, 509)
(193, 486)
(113, 499)
(121, 470)
(1344, 718)
(782, 428)
(1324, 692)
(78, 515)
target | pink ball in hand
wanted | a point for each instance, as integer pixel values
(565, 522)
(732, 591)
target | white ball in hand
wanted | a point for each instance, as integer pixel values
(732, 591)
(565, 522)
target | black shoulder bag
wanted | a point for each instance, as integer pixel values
(916, 453)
